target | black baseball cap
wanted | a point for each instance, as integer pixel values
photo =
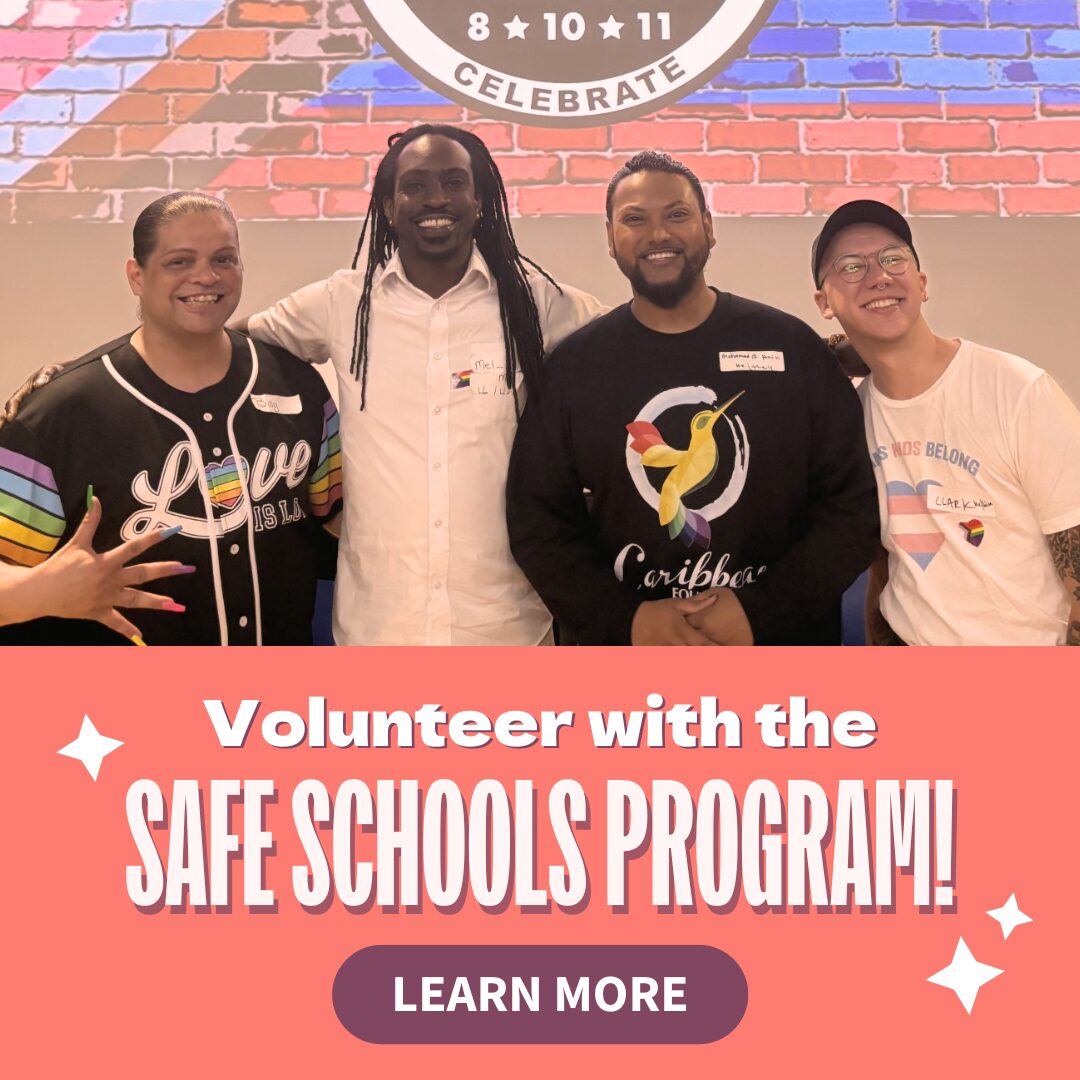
(859, 212)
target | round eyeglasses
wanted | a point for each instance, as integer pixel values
(894, 260)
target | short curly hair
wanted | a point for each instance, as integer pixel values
(654, 161)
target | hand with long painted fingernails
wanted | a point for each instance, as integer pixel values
(79, 583)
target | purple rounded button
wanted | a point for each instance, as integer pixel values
(540, 994)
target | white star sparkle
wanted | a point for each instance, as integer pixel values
(516, 28)
(965, 975)
(611, 28)
(1009, 915)
(91, 747)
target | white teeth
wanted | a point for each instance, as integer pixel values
(208, 298)
(435, 223)
(659, 256)
(875, 304)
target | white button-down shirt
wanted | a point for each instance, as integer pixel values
(424, 556)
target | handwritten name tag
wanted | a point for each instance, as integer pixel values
(957, 501)
(751, 361)
(286, 406)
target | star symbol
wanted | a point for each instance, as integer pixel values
(1009, 915)
(516, 28)
(965, 975)
(91, 747)
(611, 28)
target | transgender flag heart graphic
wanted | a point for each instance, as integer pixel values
(911, 523)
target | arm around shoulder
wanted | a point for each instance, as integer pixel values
(301, 323)
(563, 309)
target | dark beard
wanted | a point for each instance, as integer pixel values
(670, 293)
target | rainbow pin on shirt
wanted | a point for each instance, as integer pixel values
(975, 531)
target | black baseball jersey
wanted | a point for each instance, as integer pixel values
(248, 468)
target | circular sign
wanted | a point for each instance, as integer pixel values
(583, 62)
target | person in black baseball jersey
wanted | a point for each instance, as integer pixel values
(182, 424)
(732, 497)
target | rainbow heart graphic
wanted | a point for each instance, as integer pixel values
(975, 531)
(223, 482)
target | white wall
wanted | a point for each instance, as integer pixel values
(1011, 283)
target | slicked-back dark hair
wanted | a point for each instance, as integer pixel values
(654, 161)
(494, 239)
(176, 204)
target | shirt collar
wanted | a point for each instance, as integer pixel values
(393, 273)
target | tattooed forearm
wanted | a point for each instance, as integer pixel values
(1065, 550)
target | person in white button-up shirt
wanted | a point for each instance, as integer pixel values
(435, 339)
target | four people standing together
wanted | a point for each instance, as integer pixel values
(689, 468)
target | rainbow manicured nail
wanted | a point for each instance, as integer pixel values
(171, 606)
(138, 640)
(89, 496)
(172, 530)
(184, 570)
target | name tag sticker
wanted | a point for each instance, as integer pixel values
(487, 381)
(751, 361)
(944, 500)
(491, 382)
(274, 403)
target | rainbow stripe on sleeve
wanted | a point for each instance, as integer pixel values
(31, 514)
(325, 483)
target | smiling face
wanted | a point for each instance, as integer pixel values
(434, 206)
(190, 282)
(882, 307)
(659, 236)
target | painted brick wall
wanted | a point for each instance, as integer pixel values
(937, 106)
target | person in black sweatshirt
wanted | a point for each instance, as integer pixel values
(730, 495)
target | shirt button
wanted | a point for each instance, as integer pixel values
(208, 416)
(216, 451)
(438, 355)
(437, 410)
(437, 466)
(438, 523)
(243, 620)
(438, 305)
(234, 550)
(437, 585)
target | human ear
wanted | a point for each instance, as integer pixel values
(823, 305)
(134, 276)
(710, 235)
(610, 240)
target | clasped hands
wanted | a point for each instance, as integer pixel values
(714, 617)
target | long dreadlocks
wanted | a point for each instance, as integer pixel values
(494, 239)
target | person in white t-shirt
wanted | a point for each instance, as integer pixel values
(435, 338)
(976, 454)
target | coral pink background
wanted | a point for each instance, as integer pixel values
(96, 988)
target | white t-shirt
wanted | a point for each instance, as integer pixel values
(973, 474)
(424, 557)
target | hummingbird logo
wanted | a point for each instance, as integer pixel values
(689, 470)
